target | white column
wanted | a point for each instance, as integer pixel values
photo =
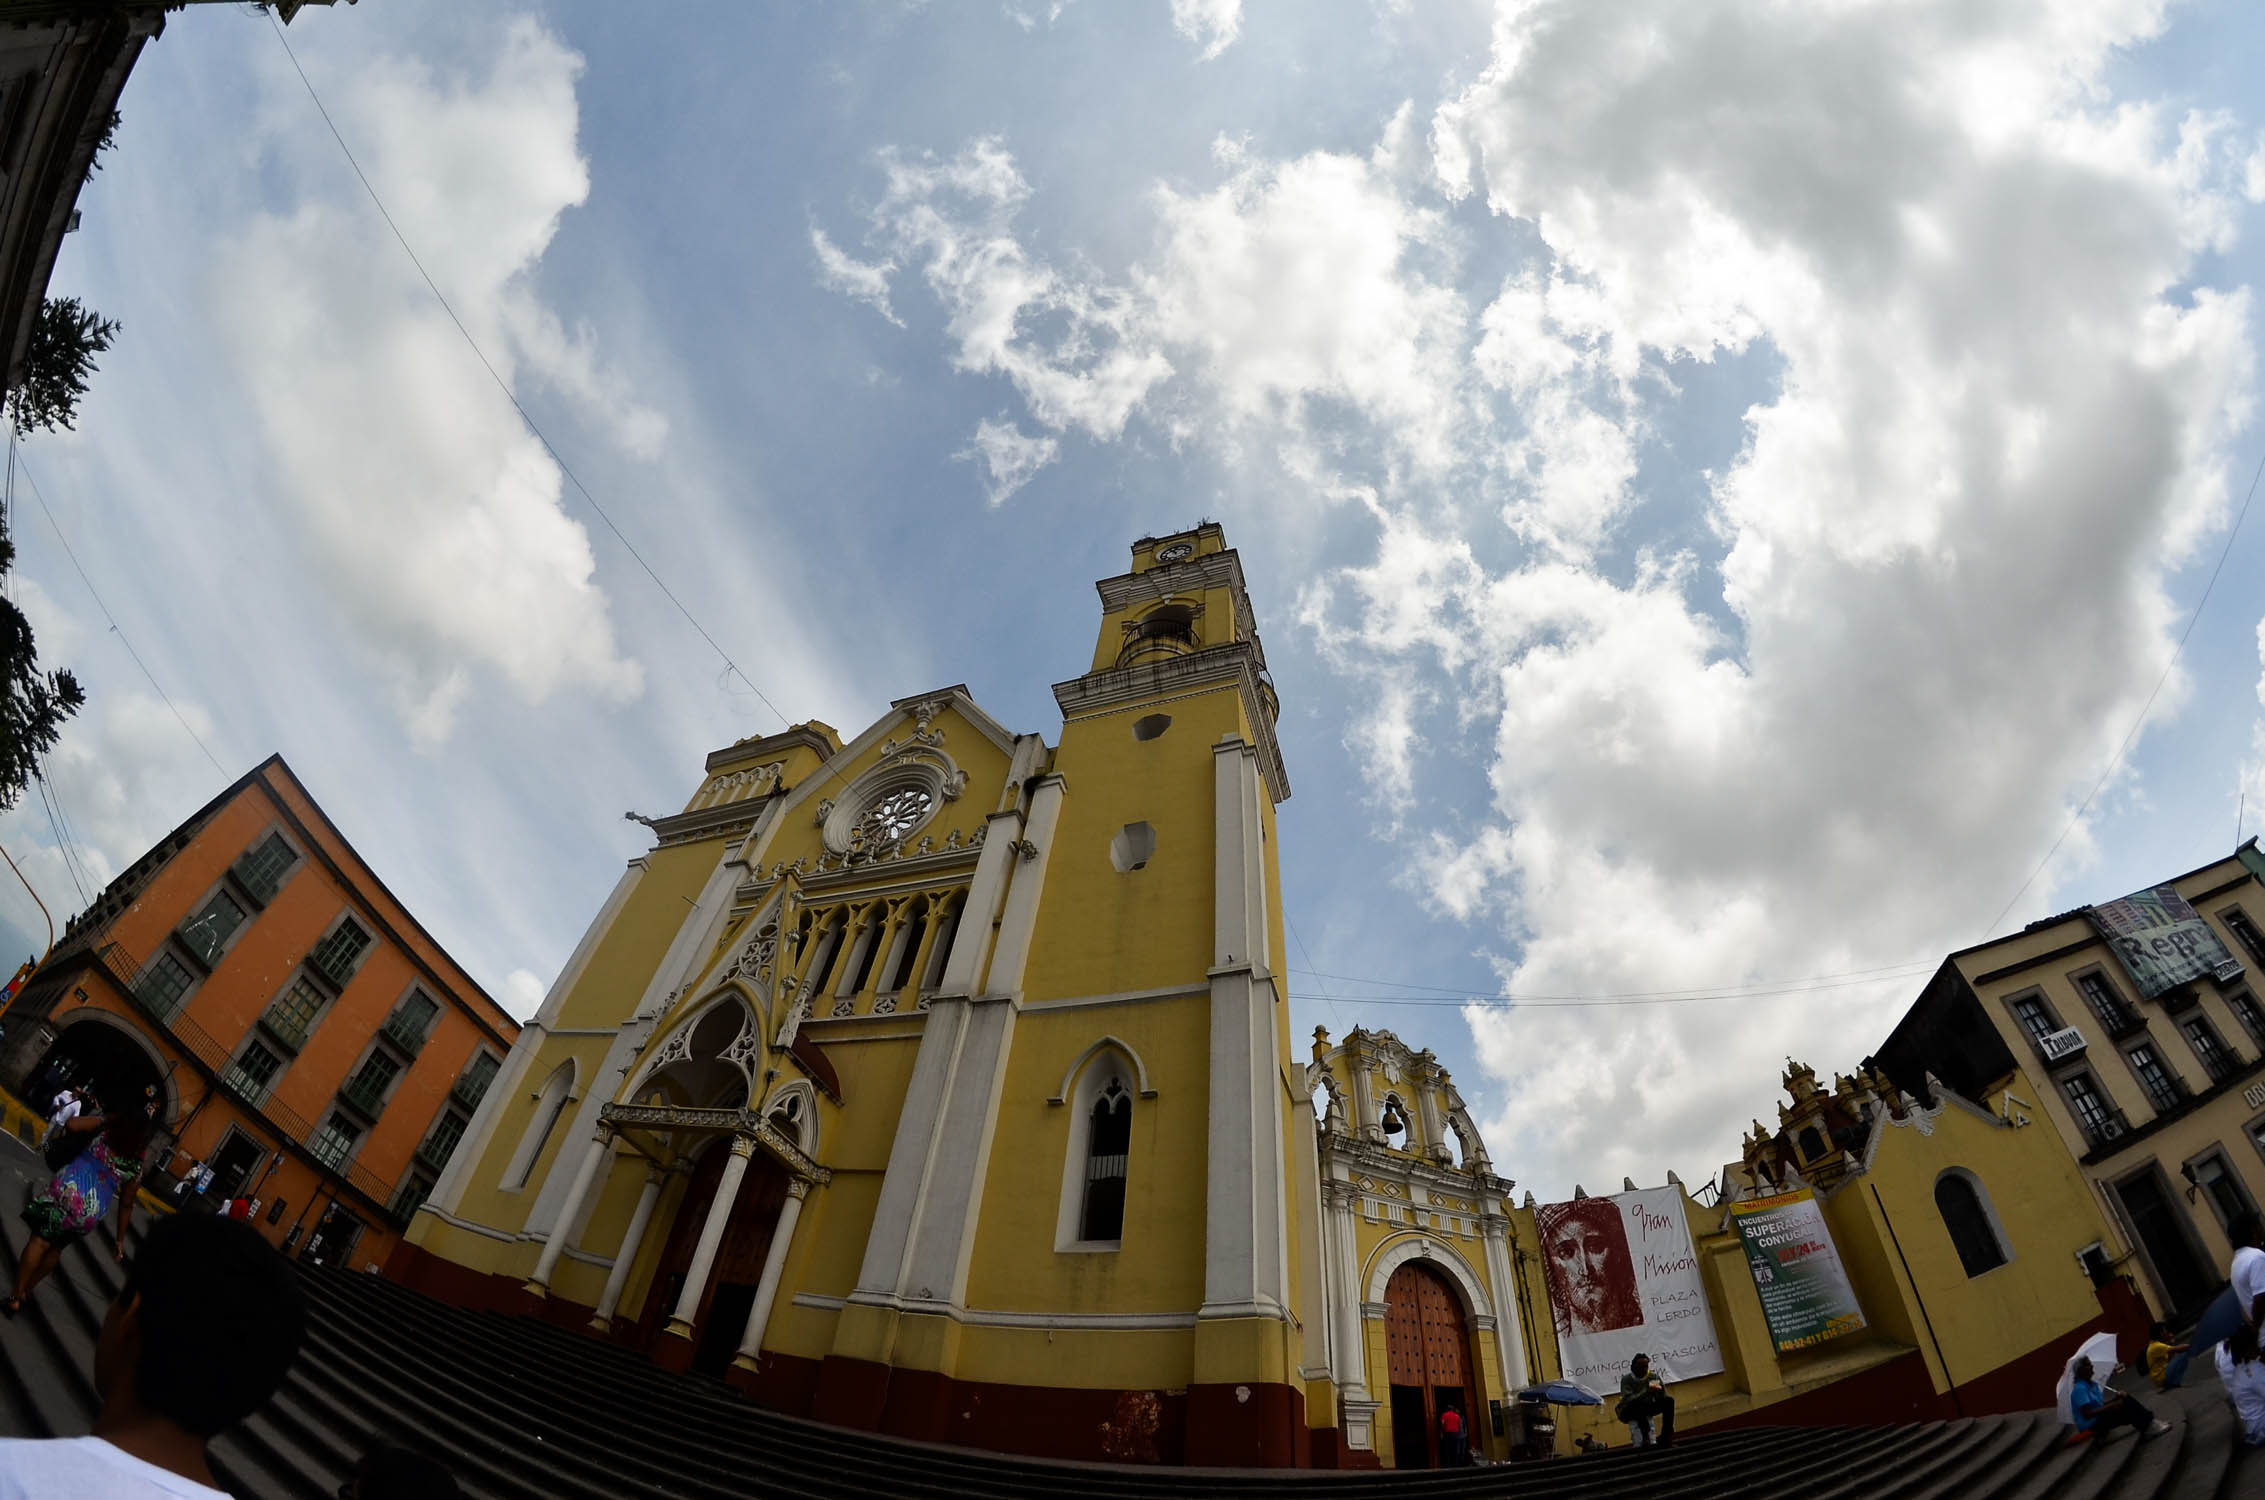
(632, 1240)
(767, 1285)
(601, 1147)
(1246, 1252)
(711, 1237)
(1349, 1360)
(1509, 1333)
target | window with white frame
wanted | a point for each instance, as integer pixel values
(1098, 1167)
(550, 1103)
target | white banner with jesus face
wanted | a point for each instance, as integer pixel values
(1623, 1281)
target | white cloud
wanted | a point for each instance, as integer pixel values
(1212, 25)
(840, 272)
(522, 994)
(1823, 707)
(1010, 457)
(433, 511)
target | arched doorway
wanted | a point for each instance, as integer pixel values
(1428, 1347)
(730, 1295)
(113, 1063)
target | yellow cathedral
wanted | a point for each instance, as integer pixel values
(939, 1081)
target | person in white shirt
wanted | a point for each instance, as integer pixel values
(2235, 1307)
(2241, 1366)
(199, 1337)
(65, 1106)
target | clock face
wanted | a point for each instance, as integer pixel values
(895, 815)
(1177, 552)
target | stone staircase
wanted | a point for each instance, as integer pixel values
(523, 1410)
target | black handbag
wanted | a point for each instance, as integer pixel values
(66, 1146)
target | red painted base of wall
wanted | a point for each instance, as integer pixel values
(1206, 1425)
(1900, 1390)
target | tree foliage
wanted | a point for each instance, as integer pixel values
(57, 362)
(33, 705)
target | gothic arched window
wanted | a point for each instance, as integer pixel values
(1108, 1146)
(1812, 1143)
(1972, 1229)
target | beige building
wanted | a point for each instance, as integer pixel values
(2143, 1016)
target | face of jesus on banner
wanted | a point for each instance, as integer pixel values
(1592, 1277)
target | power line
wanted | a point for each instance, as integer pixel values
(62, 844)
(111, 619)
(2144, 708)
(1334, 1009)
(1517, 1002)
(1698, 992)
(505, 386)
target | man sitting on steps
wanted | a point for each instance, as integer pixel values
(208, 1321)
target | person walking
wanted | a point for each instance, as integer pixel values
(201, 1334)
(64, 1107)
(1451, 1452)
(2099, 1412)
(75, 1199)
(2246, 1277)
(1643, 1396)
(2241, 1367)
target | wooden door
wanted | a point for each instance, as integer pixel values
(1427, 1344)
(739, 1258)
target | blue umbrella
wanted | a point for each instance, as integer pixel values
(1564, 1393)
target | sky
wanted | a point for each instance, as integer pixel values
(1720, 483)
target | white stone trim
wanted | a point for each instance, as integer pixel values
(1140, 1069)
(550, 1113)
(1121, 997)
(1398, 1251)
(992, 1318)
(1081, 1089)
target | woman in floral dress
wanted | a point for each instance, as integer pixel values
(75, 1199)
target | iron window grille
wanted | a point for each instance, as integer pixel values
(365, 1091)
(335, 956)
(333, 1145)
(261, 869)
(472, 1087)
(2216, 1060)
(2164, 1091)
(2034, 1018)
(2099, 1121)
(2119, 1018)
(251, 1077)
(411, 1022)
(290, 1018)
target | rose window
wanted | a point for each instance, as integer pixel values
(895, 815)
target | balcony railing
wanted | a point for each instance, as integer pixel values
(333, 965)
(122, 966)
(406, 1032)
(406, 1199)
(2121, 1021)
(290, 1030)
(2061, 1045)
(244, 1086)
(470, 1089)
(363, 1097)
(2106, 1130)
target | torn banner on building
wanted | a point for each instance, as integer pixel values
(1624, 1280)
(1806, 1298)
(2162, 942)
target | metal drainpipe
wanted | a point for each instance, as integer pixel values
(1948, 1379)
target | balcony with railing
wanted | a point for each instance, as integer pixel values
(364, 1096)
(2120, 1021)
(246, 1086)
(469, 1090)
(435, 1152)
(286, 1027)
(407, 1031)
(2104, 1130)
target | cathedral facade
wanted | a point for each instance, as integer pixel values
(939, 1081)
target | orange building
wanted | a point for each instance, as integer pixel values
(310, 1042)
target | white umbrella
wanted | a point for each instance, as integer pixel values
(2101, 1350)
